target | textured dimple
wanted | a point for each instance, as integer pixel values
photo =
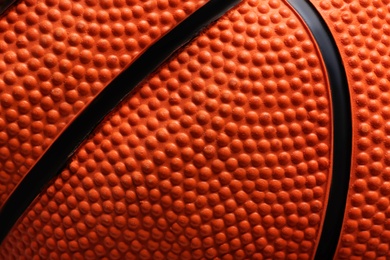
(361, 31)
(56, 56)
(223, 153)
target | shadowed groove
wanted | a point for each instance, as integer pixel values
(57, 155)
(5, 5)
(342, 129)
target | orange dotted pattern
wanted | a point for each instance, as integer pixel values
(362, 32)
(223, 153)
(56, 55)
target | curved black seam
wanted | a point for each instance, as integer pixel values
(58, 154)
(5, 5)
(342, 128)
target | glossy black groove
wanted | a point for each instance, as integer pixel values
(342, 127)
(6, 4)
(58, 154)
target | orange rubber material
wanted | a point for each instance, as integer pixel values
(223, 153)
(56, 56)
(362, 32)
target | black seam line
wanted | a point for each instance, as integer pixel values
(5, 5)
(58, 154)
(342, 128)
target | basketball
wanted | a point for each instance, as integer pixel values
(195, 129)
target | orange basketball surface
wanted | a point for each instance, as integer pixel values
(226, 151)
(56, 56)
